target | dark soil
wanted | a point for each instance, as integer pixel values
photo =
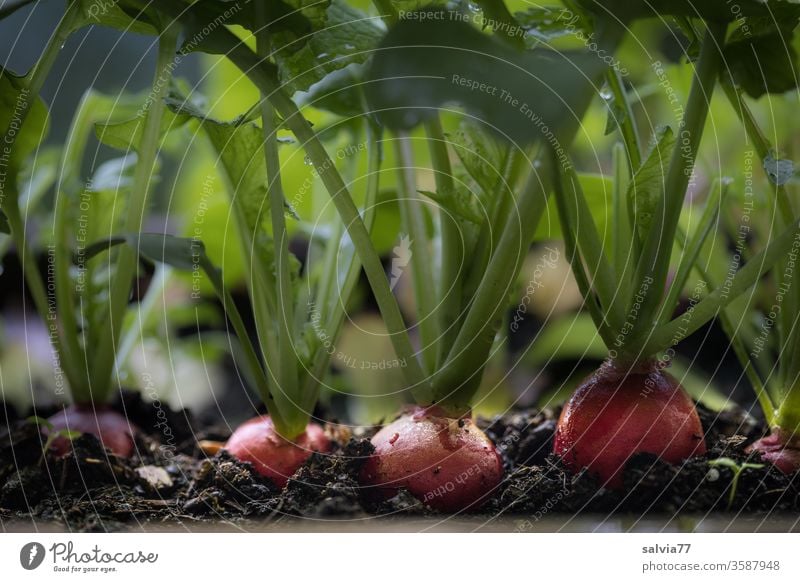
(172, 480)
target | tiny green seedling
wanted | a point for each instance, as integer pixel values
(737, 469)
(52, 434)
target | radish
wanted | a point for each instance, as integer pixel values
(447, 463)
(780, 448)
(273, 456)
(111, 428)
(632, 287)
(617, 412)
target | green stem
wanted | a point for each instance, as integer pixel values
(36, 287)
(412, 216)
(628, 128)
(655, 259)
(621, 228)
(250, 355)
(789, 332)
(455, 381)
(589, 244)
(146, 311)
(285, 377)
(572, 247)
(263, 77)
(718, 299)
(691, 251)
(737, 344)
(452, 258)
(69, 184)
(488, 236)
(35, 80)
(336, 320)
(142, 180)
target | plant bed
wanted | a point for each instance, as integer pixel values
(179, 484)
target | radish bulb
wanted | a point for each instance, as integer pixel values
(620, 411)
(447, 463)
(780, 448)
(111, 428)
(273, 456)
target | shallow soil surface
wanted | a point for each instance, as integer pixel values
(174, 483)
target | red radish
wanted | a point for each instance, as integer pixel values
(618, 412)
(110, 427)
(257, 442)
(447, 463)
(780, 448)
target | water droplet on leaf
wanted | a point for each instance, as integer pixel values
(778, 171)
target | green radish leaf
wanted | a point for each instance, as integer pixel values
(413, 5)
(239, 146)
(328, 66)
(314, 10)
(503, 24)
(204, 19)
(68, 434)
(14, 102)
(481, 156)
(544, 24)
(126, 135)
(597, 189)
(713, 10)
(645, 190)
(181, 253)
(459, 203)
(528, 96)
(120, 15)
(761, 57)
(39, 421)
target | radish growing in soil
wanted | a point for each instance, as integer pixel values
(631, 404)
(84, 328)
(764, 333)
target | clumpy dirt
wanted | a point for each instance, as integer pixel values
(172, 480)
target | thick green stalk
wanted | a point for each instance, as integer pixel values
(103, 362)
(37, 289)
(412, 216)
(789, 332)
(622, 233)
(569, 225)
(691, 250)
(249, 353)
(263, 77)
(488, 236)
(628, 129)
(285, 378)
(452, 258)
(739, 349)
(455, 382)
(68, 186)
(333, 324)
(34, 82)
(718, 299)
(590, 246)
(145, 313)
(657, 250)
